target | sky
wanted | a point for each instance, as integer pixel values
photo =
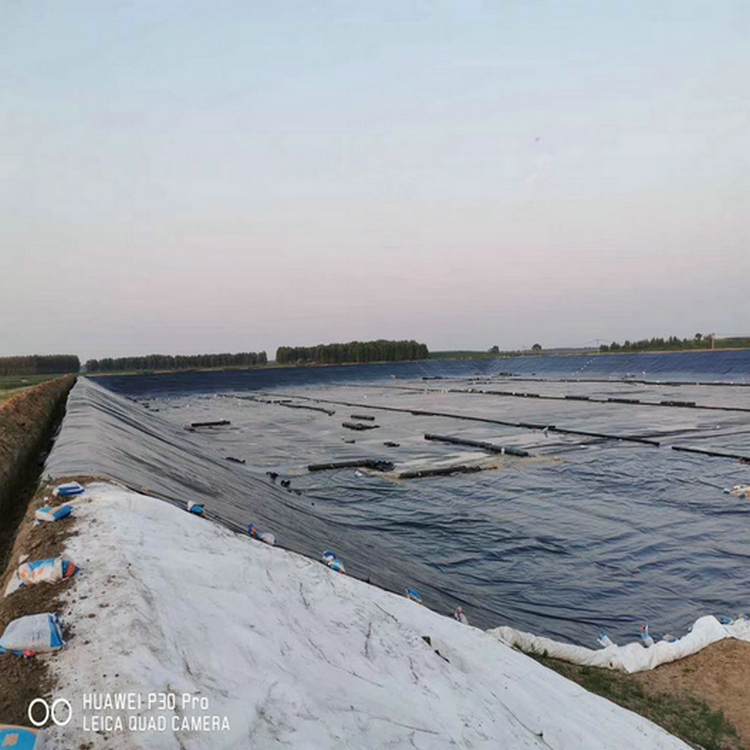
(187, 177)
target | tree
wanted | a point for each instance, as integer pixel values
(537, 348)
(354, 351)
(35, 364)
(152, 362)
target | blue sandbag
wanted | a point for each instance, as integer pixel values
(53, 514)
(70, 490)
(414, 595)
(332, 561)
(21, 738)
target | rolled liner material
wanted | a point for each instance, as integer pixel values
(477, 444)
(329, 412)
(215, 423)
(359, 427)
(106, 435)
(366, 417)
(356, 463)
(603, 436)
(716, 454)
(441, 472)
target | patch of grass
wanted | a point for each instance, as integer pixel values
(682, 714)
(11, 382)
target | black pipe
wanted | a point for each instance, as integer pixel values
(477, 444)
(717, 454)
(439, 472)
(358, 426)
(645, 441)
(329, 412)
(355, 463)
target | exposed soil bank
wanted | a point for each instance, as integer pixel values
(702, 698)
(27, 423)
(719, 675)
(23, 680)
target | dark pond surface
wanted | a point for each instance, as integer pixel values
(586, 533)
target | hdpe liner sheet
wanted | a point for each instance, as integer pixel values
(709, 367)
(106, 435)
(578, 538)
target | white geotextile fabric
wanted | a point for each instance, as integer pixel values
(293, 654)
(634, 657)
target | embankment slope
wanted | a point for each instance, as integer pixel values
(283, 650)
(27, 421)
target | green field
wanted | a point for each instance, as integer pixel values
(12, 384)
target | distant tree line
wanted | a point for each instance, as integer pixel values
(469, 354)
(494, 352)
(180, 362)
(35, 364)
(673, 343)
(354, 351)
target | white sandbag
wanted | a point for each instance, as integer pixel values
(264, 536)
(33, 633)
(50, 570)
(21, 738)
(14, 583)
(630, 658)
(739, 628)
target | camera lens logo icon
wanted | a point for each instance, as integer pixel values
(61, 712)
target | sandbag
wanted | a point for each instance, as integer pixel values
(264, 536)
(53, 514)
(333, 562)
(68, 490)
(21, 738)
(33, 634)
(51, 570)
